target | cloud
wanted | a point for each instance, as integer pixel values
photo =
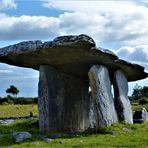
(105, 21)
(123, 23)
(27, 27)
(7, 4)
(137, 54)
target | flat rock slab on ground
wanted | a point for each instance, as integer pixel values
(21, 136)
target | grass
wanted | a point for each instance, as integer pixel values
(17, 110)
(136, 106)
(113, 136)
(24, 110)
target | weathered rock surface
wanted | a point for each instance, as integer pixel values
(78, 51)
(21, 136)
(122, 103)
(92, 114)
(63, 102)
(102, 96)
(140, 116)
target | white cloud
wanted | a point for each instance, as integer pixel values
(86, 6)
(7, 4)
(28, 27)
(137, 54)
(122, 22)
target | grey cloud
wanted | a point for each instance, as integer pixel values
(137, 54)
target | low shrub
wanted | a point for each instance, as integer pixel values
(143, 101)
(20, 100)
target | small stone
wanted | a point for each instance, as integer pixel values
(125, 130)
(21, 136)
(47, 139)
(61, 142)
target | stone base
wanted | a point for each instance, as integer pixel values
(63, 102)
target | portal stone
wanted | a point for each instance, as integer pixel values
(122, 103)
(63, 102)
(102, 97)
(92, 114)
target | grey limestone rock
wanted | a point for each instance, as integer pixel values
(92, 114)
(21, 136)
(102, 96)
(79, 51)
(63, 102)
(140, 116)
(122, 103)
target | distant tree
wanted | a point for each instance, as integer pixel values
(144, 91)
(12, 90)
(139, 92)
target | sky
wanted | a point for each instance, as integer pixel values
(121, 26)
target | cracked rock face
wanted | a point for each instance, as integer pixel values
(73, 55)
(102, 96)
(122, 102)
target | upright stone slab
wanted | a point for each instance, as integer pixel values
(63, 102)
(102, 97)
(92, 114)
(122, 103)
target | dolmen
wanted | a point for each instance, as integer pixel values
(75, 82)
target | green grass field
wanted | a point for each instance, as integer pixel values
(24, 110)
(115, 136)
(17, 110)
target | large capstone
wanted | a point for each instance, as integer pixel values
(63, 102)
(122, 102)
(73, 55)
(102, 97)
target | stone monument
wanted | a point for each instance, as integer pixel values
(75, 80)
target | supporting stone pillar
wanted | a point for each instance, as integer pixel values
(102, 97)
(122, 103)
(92, 114)
(63, 102)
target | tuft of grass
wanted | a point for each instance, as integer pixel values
(17, 110)
(114, 136)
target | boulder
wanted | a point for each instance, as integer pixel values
(102, 97)
(140, 116)
(21, 136)
(122, 103)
